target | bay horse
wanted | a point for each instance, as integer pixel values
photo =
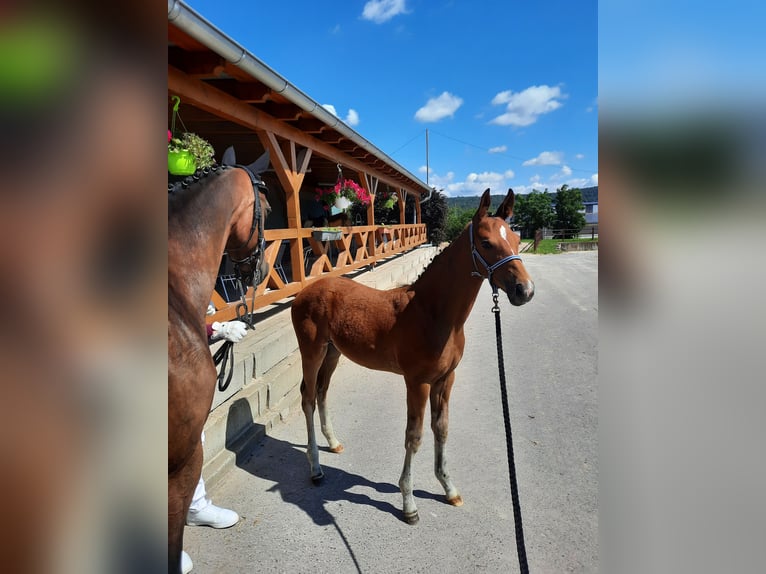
(222, 211)
(415, 331)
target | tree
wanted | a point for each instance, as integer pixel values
(533, 211)
(569, 209)
(457, 219)
(434, 214)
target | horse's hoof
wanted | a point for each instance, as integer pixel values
(317, 480)
(457, 501)
(411, 518)
(337, 449)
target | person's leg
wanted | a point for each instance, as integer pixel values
(202, 512)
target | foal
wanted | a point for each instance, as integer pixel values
(415, 331)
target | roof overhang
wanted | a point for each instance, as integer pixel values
(204, 60)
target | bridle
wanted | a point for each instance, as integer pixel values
(489, 268)
(254, 258)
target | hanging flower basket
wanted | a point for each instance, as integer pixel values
(189, 152)
(181, 162)
(342, 195)
(342, 203)
(387, 199)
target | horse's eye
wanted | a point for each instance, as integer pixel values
(486, 244)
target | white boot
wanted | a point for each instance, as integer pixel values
(186, 563)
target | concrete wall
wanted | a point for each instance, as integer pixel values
(265, 388)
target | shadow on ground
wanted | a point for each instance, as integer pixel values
(285, 464)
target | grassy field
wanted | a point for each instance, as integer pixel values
(548, 246)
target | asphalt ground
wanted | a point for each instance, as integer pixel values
(352, 522)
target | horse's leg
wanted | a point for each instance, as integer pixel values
(323, 383)
(311, 366)
(180, 492)
(417, 395)
(440, 393)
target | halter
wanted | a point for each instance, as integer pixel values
(489, 268)
(253, 260)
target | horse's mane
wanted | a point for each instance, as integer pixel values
(177, 183)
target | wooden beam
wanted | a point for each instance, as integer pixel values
(215, 101)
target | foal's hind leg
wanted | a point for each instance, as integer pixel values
(440, 393)
(311, 366)
(417, 394)
(323, 383)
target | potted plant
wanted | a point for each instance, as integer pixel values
(342, 195)
(188, 153)
(327, 233)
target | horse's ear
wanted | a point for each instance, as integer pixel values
(483, 205)
(505, 210)
(260, 165)
(229, 158)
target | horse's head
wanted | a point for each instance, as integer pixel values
(246, 244)
(495, 249)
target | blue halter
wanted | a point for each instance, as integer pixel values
(490, 268)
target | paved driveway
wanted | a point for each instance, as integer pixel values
(352, 522)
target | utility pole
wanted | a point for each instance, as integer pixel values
(427, 170)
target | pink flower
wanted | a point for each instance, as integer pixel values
(170, 136)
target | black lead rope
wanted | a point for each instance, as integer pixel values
(223, 355)
(520, 549)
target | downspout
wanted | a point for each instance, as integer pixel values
(203, 31)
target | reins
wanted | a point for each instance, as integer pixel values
(253, 260)
(225, 353)
(520, 547)
(222, 356)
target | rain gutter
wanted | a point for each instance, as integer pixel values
(182, 16)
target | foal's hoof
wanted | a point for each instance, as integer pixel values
(411, 518)
(337, 449)
(317, 480)
(457, 501)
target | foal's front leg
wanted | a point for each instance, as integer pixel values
(417, 395)
(440, 393)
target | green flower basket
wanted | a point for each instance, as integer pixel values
(181, 163)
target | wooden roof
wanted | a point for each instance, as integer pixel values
(213, 78)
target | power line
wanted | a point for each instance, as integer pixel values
(406, 144)
(521, 159)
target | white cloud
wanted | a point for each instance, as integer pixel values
(545, 158)
(439, 108)
(594, 179)
(579, 156)
(498, 149)
(566, 171)
(352, 118)
(380, 11)
(474, 183)
(523, 108)
(423, 169)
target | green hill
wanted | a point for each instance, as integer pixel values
(589, 194)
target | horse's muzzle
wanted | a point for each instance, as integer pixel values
(521, 293)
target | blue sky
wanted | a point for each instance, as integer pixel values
(507, 90)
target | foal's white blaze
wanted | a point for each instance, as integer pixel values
(504, 234)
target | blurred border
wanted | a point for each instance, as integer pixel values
(682, 144)
(82, 277)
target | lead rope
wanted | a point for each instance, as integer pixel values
(223, 355)
(520, 549)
